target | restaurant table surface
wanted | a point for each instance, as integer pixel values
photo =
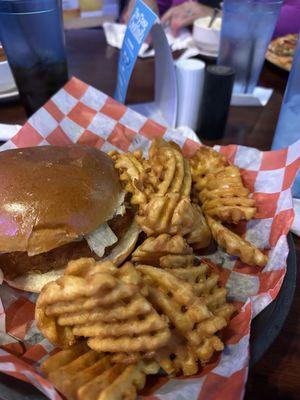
(276, 375)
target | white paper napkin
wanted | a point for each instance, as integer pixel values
(114, 34)
(8, 131)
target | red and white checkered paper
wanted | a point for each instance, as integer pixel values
(79, 113)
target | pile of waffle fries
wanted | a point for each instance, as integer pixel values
(163, 309)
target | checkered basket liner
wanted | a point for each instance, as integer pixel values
(82, 114)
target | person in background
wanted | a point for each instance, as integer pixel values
(177, 13)
(180, 13)
(289, 18)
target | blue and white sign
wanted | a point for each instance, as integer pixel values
(139, 25)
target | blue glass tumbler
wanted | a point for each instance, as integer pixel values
(247, 28)
(288, 126)
(32, 35)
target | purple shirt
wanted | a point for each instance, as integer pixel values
(289, 18)
(164, 5)
(288, 22)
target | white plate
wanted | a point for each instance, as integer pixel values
(208, 53)
(9, 94)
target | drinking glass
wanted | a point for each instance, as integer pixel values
(247, 28)
(32, 35)
(288, 126)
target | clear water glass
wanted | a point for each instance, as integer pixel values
(32, 35)
(247, 29)
(288, 126)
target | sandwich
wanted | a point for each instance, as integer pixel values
(59, 204)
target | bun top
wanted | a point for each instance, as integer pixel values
(50, 195)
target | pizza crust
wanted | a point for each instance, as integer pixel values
(281, 51)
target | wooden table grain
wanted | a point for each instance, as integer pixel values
(276, 375)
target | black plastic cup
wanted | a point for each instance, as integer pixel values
(217, 91)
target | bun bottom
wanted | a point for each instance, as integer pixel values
(34, 281)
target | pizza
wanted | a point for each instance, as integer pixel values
(281, 51)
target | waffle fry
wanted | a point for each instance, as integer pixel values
(141, 343)
(101, 329)
(160, 187)
(199, 236)
(227, 177)
(175, 298)
(197, 309)
(103, 304)
(131, 358)
(205, 285)
(83, 267)
(225, 193)
(71, 293)
(176, 216)
(123, 311)
(152, 250)
(228, 207)
(177, 357)
(132, 330)
(235, 245)
(176, 261)
(206, 160)
(224, 198)
(220, 188)
(82, 374)
(171, 168)
(197, 277)
(132, 175)
(155, 217)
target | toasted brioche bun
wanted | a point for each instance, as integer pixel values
(50, 196)
(34, 282)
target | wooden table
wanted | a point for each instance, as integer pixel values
(276, 375)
